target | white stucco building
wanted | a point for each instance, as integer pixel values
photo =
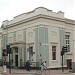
(39, 36)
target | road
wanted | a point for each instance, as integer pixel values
(33, 72)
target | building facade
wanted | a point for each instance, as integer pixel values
(39, 36)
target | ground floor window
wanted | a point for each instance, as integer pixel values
(53, 52)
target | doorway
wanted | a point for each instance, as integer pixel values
(31, 53)
(69, 63)
(16, 60)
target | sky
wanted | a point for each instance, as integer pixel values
(11, 8)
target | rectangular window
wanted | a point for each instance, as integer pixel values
(53, 52)
(67, 38)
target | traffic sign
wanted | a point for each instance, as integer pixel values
(5, 52)
(65, 49)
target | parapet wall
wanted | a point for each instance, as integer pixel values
(37, 11)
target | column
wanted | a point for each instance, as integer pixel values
(73, 61)
(19, 56)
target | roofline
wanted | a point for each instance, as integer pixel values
(41, 16)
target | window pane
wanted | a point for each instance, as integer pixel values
(53, 48)
(68, 41)
(54, 55)
(67, 38)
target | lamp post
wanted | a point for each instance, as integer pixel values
(9, 51)
(62, 53)
(62, 44)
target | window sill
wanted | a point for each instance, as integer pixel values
(69, 53)
(54, 60)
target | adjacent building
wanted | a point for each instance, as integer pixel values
(38, 36)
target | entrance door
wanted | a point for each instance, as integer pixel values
(69, 63)
(30, 53)
(16, 60)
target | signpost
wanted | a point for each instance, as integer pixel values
(9, 51)
(64, 49)
(4, 54)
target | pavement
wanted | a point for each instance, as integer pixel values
(33, 72)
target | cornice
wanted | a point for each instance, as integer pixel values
(40, 16)
(69, 21)
(18, 42)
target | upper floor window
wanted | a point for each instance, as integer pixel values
(67, 39)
